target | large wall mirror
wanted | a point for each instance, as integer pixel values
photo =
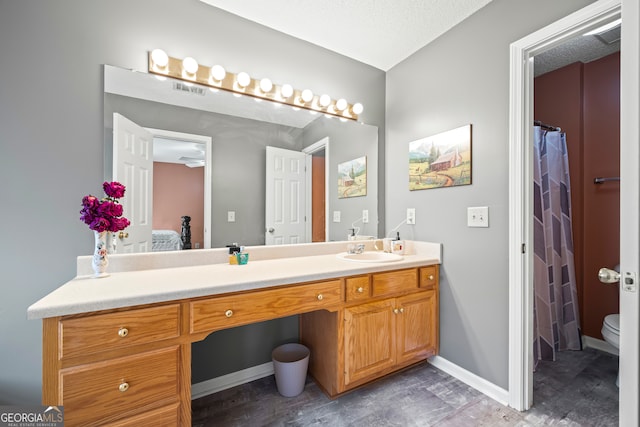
(210, 164)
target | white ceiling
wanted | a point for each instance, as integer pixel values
(380, 33)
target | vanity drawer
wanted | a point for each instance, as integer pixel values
(93, 393)
(168, 416)
(357, 288)
(394, 282)
(86, 335)
(225, 312)
(429, 277)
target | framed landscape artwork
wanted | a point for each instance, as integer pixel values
(442, 160)
(352, 178)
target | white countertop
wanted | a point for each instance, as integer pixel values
(197, 273)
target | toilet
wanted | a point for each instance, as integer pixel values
(611, 333)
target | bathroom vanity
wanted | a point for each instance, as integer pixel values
(117, 350)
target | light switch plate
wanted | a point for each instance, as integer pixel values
(411, 216)
(365, 216)
(336, 216)
(478, 216)
(231, 216)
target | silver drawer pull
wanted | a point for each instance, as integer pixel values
(360, 289)
(123, 332)
(320, 297)
(228, 313)
(123, 387)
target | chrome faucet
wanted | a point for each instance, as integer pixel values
(353, 248)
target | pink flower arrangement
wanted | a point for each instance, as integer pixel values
(106, 214)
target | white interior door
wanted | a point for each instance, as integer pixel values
(285, 197)
(133, 167)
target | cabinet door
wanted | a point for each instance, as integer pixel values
(416, 322)
(369, 339)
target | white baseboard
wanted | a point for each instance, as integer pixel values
(233, 379)
(598, 344)
(493, 391)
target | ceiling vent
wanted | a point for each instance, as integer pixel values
(185, 87)
(610, 36)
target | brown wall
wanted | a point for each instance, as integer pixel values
(178, 191)
(584, 100)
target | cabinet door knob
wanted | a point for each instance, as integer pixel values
(431, 277)
(228, 313)
(320, 297)
(396, 311)
(360, 289)
(123, 332)
(401, 310)
(123, 387)
(123, 235)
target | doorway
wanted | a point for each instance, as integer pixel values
(520, 172)
(318, 186)
(197, 154)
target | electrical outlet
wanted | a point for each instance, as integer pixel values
(365, 216)
(231, 216)
(336, 216)
(411, 216)
(478, 216)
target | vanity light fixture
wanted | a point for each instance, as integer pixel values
(189, 68)
(286, 91)
(325, 100)
(357, 108)
(306, 96)
(160, 59)
(216, 77)
(217, 73)
(266, 85)
(243, 79)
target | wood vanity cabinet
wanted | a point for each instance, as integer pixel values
(390, 321)
(131, 366)
(117, 368)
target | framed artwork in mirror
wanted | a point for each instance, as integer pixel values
(441, 160)
(352, 178)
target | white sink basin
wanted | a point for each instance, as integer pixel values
(369, 257)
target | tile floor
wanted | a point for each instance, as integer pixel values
(577, 390)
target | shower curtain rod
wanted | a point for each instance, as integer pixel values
(546, 126)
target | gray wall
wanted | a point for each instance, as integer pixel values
(462, 78)
(51, 130)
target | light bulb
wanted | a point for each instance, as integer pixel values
(190, 65)
(160, 58)
(357, 108)
(266, 85)
(243, 79)
(341, 104)
(286, 91)
(218, 73)
(325, 100)
(307, 95)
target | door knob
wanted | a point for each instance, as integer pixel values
(606, 275)
(271, 230)
(123, 235)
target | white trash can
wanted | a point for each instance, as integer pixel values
(290, 363)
